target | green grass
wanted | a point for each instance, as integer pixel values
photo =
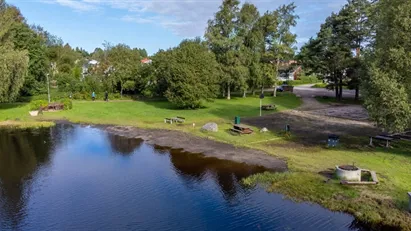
(17, 115)
(319, 85)
(148, 113)
(330, 100)
(385, 203)
(324, 85)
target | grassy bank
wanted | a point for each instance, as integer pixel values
(384, 204)
(16, 115)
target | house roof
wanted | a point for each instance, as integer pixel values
(146, 60)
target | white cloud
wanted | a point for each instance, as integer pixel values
(188, 18)
(75, 4)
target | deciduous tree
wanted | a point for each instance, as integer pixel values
(190, 72)
(387, 90)
(222, 38)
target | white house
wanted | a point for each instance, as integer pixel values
(290, 74)
(85, 68)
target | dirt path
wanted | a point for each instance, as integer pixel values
(193, 144)
(313, 121)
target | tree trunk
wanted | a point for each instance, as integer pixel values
(262, 89)
(244, 94)
(276, 78)
(253, 91)
(223, 92)
(357, 93)
(337, 94)
(121, 90)
(228, 92)
(341, 89)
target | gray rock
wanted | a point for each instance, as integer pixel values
(264, 130)
(211, 127)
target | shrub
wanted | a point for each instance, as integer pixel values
(81, 96)
(37, 104)
(68, 104)
(303, 80)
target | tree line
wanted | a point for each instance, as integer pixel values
(366, 45)
(241, 51)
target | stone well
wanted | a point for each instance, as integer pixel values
(348, 172)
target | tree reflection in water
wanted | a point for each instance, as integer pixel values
(22, 153)
(122, 145)
(193, 168)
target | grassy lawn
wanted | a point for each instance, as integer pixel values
(16, 115)
(384, 203)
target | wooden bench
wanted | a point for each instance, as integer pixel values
(401, 137)
(236, 131)
(382, 138)
(179, 119)
(176, 119)
(268, 107)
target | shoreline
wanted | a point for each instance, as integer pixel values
(207, 147)
(193, 143)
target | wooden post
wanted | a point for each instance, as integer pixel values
(409, 198)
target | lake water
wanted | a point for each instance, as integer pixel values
(82, 178)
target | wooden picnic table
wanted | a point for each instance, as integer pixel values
(177, 119)
(268, 107)
(242, 129)
(54, 106)
(383, 138)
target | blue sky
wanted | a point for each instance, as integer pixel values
(150, 24)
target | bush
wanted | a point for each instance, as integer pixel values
(81, 96)
(304, 80)
(37, 104)
(68, 104)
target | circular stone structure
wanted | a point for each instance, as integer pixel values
(348, 172)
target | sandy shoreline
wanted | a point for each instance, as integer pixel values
(193, 144)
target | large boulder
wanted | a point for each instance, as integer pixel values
(211, 127)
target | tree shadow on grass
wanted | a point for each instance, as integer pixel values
(5, 106)
(162, 104)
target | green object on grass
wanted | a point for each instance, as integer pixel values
(237, 120)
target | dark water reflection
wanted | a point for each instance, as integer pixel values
(81, 178)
